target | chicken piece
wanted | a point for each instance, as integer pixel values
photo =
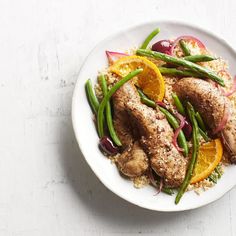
(121, 120)
(229, 137)
(156, 139)
(133, 162)
(212, 106)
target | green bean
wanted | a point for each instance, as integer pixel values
(218, 171)
(93, 101)
(175, 124)
(149, 38)
(176, 72)
(199, 58)
(193, 160)
(184, 47)
(110, 126)
(178, 104)
(182, 62)
(164, 189)
(203, 134)
(146, 100)
(103, 84)
(200, 121)
(168, 191)
(213, 179)
(215, 175)
(171, 119)
(108, 96)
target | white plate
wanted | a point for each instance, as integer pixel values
(87, 136)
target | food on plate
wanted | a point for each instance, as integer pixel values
(149, 80)
(217, 110)
(209, 156)
(166, 114)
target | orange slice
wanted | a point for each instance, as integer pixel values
(150, 80)
(209, 156)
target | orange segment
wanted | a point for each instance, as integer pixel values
(150, 80)
(209, 156)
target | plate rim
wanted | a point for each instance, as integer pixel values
(73, 115)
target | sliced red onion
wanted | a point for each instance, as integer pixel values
(223, 122)
(163, 46)
(161, 104)
(154, 183)
(187, 129)
(176, 134)
(107, 146)
(232, 90)
(160, 186)
(151, 177)
(226, 144)
(113, 56)
(186, 37)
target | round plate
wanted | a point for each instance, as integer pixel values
(87, 136)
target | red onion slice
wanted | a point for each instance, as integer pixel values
(226, 144)
(161, 104)
(160, 186)
(176, 134)
(186, 37)
(113, 56)
(232, 90)
(223, 122)
(187, 129)
(163, 46)
(107, 146)
(151, 177)
(154, 183)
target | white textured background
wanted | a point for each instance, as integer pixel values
(46, 188)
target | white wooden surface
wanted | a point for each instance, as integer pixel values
(46, 188)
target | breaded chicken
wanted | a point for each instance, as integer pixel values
(133, 162)
(156, 139)
(121, 120)
(212, 106)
